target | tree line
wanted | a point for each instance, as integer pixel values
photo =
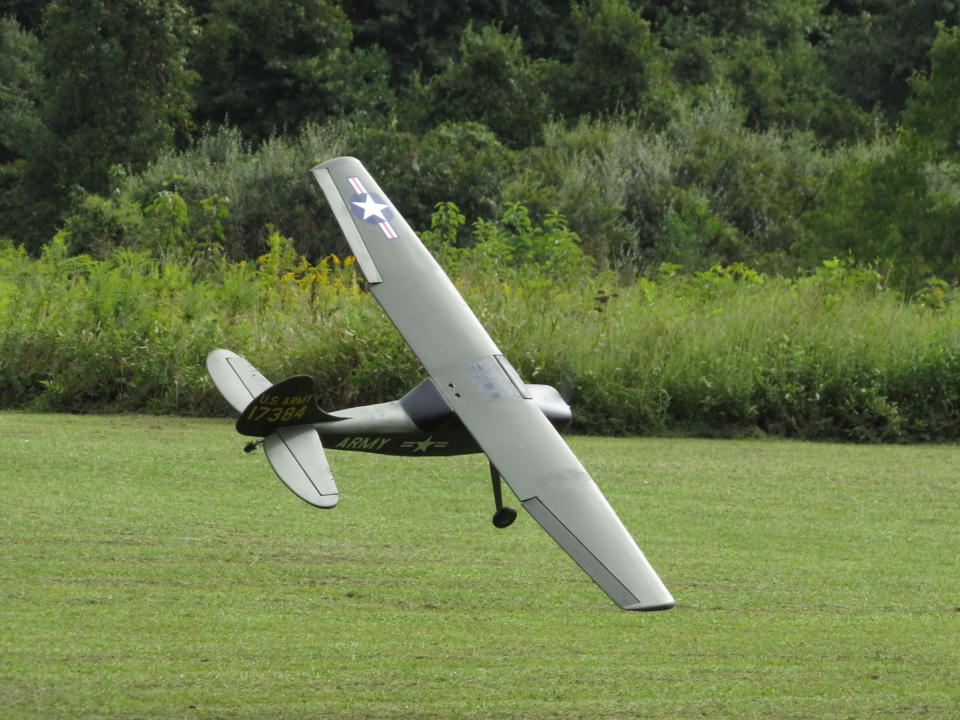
(664, 134)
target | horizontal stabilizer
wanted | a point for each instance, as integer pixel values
(237, 380)
(296, 456)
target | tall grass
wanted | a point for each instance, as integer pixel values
(835, 354)
(131, 333)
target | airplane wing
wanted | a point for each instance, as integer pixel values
(482, 387)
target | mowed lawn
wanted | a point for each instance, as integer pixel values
(150, 569)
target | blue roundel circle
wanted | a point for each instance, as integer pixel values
(370, 208)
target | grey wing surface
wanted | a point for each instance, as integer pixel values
(485, 391)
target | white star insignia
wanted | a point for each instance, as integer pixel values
(424, 445)
(371, 207)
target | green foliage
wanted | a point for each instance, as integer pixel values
(233, 191)
(617, 66)
(166, 226)
(98, 226)
(509, 248)
(138, 327)
(19, 90)
(443, 237)
(777, 20)
(676, 133)
(833, 354)
(909, 192)
(782, 87)
(117, 88)
(889, 204)
(269, 66)
(463, 163)
(701, 191)
(872, 49)
(931, 112)
(692, 233)
(422, 37)
(20, 125)
(492, 82)
(114, 90)
(552, 248)
(29, 13)
(734, 350)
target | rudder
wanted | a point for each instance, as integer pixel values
(289, 403)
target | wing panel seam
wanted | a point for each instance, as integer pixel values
(541, 504)
(300, 465)
(240, 378)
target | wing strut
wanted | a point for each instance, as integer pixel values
(505, 515)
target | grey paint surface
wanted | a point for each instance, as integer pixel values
(480, 387)
(295, 453)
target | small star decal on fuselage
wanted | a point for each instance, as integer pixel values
(423, 445)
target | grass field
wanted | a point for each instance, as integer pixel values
(152, 570)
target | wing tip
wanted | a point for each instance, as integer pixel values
(326, 164)
(218, 355)
(324, 502)
(646, 607)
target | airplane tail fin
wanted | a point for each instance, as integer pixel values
(283, 414)
(289, 403)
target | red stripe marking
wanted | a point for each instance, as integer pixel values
(357, 185)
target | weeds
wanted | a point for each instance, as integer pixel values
(833, 354)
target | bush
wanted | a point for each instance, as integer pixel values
(703, 190)
(834, 354)
(493, 82)
(890, 204)
(223, 179)
(459, 162)
(131, 332)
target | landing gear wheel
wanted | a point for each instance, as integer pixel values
(504, 517)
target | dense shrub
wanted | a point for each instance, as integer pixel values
(833, 354)
(703, 190)
(227, 191)
(131, 332)
(257, 186)
(493, 82)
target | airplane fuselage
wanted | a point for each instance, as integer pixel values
(418, 424)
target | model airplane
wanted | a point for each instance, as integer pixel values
(472, 401)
